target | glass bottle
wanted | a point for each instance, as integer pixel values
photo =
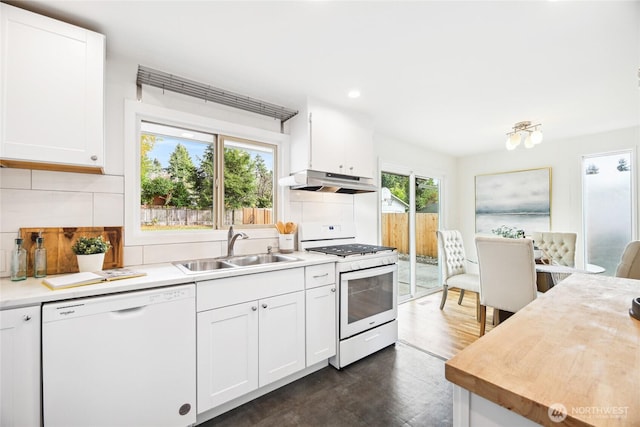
(18, 262)
(39, 259)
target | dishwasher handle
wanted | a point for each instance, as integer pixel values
(128, 311)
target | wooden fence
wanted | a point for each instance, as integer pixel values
(395, 232)
(172, 216)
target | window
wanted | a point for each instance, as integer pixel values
(248, 182)
(176, 178)
(607, 207)
(195, 175)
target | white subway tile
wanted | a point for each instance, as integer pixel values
(65, 181)
(24, 208)
(132, 255)
(176, 252)
(15, 178)
(108, 209)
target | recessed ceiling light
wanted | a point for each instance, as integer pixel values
(354, 93)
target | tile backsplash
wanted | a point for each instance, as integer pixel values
(34, 198)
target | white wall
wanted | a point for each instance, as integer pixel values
(564, 157)
(53, 199)
(409, 158)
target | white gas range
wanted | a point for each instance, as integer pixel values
(367, 279)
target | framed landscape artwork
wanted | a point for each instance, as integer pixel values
(520, 199)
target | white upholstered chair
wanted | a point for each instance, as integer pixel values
(559, 247)
(454, 268)
(629, 266)
(507, 274)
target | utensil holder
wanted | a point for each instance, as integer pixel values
(285, 243)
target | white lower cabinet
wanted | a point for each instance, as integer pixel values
(281, 337)
(245, 346)
(227, 354)
(20, 367)
(321, 323)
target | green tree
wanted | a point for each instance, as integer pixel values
(180, 196)
(204, 179)
(427, 193)
(397, 184)
(146, 145)
(239, 179)
(156, 187)
(264, 179)
(181, 166)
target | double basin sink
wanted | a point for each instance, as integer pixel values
(211, 264)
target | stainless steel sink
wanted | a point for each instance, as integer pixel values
(200, 265)
(245, 260)
(212, 264)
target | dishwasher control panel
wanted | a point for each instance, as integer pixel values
(118, 304)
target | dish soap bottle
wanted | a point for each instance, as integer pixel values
(18, 262)
(39, 259)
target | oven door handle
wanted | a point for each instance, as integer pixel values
(370, 272)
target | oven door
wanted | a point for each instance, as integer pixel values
(368, 298)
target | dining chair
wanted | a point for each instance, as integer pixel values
(507, 274)
(454, 267)
(559, 248)
(629, 266)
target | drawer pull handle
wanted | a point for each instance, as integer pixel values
(321, 275)
(373, 337)
(264, 305)
(26, 317)
(333, 289)
(254, 308)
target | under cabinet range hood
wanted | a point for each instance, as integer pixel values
(328, 182)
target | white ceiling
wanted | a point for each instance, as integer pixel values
(452, 76)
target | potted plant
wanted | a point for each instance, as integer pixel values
(90, 252)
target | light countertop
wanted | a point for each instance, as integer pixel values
(32, 292)
(576, 345)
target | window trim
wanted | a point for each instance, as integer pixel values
(135, 113)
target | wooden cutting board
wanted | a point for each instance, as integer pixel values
(58, 242)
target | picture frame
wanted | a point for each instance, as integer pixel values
(519, 199)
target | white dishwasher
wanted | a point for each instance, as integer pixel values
(120, 360)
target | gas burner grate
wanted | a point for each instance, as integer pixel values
(350, 249)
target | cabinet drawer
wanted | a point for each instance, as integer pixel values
(217, 293)
(319, 275)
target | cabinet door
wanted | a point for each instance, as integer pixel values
(321, 323)
(326, 139)
(227, 354)
(359, 159)
(282, 329)
(20, 367)
(51, 90)
(340, 143)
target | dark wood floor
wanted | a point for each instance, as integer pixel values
(402, 385)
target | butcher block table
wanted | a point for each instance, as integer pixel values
(571, 357)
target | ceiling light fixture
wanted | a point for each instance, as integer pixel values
(354, 93)
(524, 131)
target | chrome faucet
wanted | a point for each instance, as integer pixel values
(231, 240)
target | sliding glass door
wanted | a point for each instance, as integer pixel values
(410, 215)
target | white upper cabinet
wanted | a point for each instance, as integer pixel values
(51, 92)
(329, 140)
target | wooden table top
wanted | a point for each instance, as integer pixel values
(576, 345)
